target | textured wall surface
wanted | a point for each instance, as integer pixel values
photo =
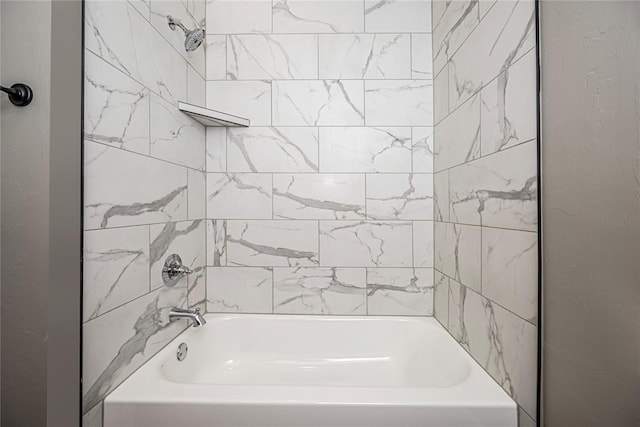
(485, 187)
(144, 184)
(591, 212)
(323, 205)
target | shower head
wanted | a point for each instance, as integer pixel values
(193, 38)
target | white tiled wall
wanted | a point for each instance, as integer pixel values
(485, 186)
(325, 204)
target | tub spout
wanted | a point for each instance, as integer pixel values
(196, 318)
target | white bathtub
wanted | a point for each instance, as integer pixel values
(308, 371)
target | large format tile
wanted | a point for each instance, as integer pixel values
(306, 290)
(458, 20)
(397, 16)
(441, 298)
(250, 99)
(197, 198)
(216, 242)
(239, 196)
(216, 57)
(400, 291)
(365, 243)
(458, 253)
(116, 107)
(400, 196)
(272, 243)
(457, 138)
(422, 149)
(216, 148)
(319, 196)
(123, 188)
(441, 95)
(318, 102)
(399, 102)
(271, 149)
(238, 16)
(254, 57)
(365, 149)
(499, 190)
(115, 268)
(421, 56)
(239, 289)
(196, 87)
(423, 243)
(365, 56)
(441, 196)
(318, 16)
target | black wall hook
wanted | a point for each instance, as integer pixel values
(19, 94)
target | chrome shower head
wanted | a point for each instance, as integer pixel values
(193, 38)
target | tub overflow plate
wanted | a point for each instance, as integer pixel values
(181, 354)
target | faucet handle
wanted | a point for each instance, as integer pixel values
(174, 270)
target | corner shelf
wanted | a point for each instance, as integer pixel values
(212, 117)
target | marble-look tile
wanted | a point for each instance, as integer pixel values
(365, 243)
(457, 138)
(318, 102)
(123, 188)
(365, 149)
(116, 108)
(509, 107)
(441, 196)
(400, 291)
(438, 7)
(115, 268)
(178, 10)
(423, 243)
(143, 6)
(238, 16)
(197, 194)
(499, 190)
(186, 239)
(93, 418)
(510, 270)
(422, 149)
(216, 57)
(115, 31)
(459, 19)
(457, 293)
(485, 6)
(288, 56)
(197, 290)
(399, 102)
(197, 9)
(441, 298)
(319, 196)
(272, 243)
(458, 253)
(216, 242)
(390, 16)
(504, 344)
(196, 88)
(365, 56)
(174, 136)
(250, 99)
(119, 342)
(400, 196)
(317, 16)
(524, 420)
(272, 149)
(505, 34)
(319, 290)
(239, 195)
(216, 146)
(441, 95)
(421, 56)
(239, 290)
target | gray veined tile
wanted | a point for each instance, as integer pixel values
(238, 16)
(272, 149)
(272, 243)
(198, 10)
(197, 290)
(441, 196)
(116, 108)
(317, 16)
(123, 188)
(93, 418)
(196, 194)
(216, 57)
(400, 291)
(441, 298)
(400, 196)
(510, 270)
(365, 56)
(422, 149)
(499, 190)
(216, 147)
(458, 253)
(365, 149)
(441, 95)
(248, 98)
(304, 290)
(459, 19)
(196, 88)
(239, 196)
(421, 56)
(365, 243)
(384, 16)
(216, 242)
(423, 243)
(399, 102)
(175, 136)
(239, 289)
(318, 102)
(319, 196)
(287, 56)
(457, 138)
(115, 268)
(457, 295)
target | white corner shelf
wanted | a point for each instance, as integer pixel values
(212, 117)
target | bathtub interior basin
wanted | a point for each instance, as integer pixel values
(311, 371)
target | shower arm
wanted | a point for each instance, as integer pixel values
(174, 22)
